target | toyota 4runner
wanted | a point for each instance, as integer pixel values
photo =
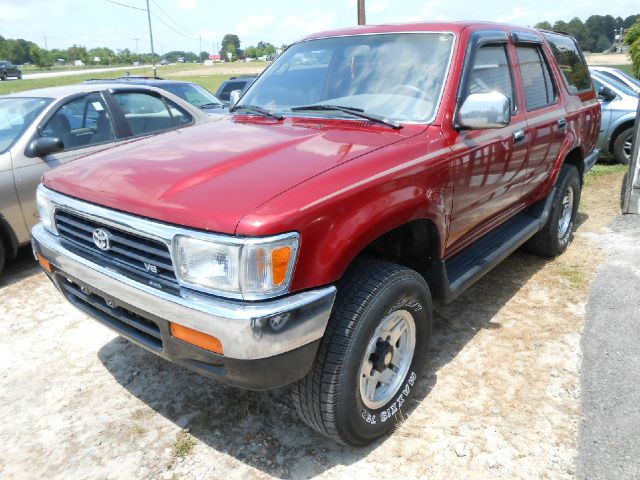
(301, 239)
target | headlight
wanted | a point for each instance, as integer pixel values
(46, 210)
(243, 268)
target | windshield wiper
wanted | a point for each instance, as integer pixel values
(356, 112)
(262, 111)
(212, 105)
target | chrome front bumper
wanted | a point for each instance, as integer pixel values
(247, 330)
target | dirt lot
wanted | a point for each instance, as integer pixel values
(499, 398)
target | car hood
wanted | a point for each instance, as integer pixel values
(209, 176)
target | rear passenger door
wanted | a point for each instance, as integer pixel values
(545, 113)
(144, 112)
(488, 166)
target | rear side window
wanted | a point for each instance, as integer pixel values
(491, 72)
(571, 62)
(146, 114)
(539, 89)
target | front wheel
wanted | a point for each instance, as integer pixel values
(3, 77)
(555, 236)
(371, 355)
(623, 145)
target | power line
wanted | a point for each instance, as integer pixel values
(169, 26)
(125, 5)
(171, 18)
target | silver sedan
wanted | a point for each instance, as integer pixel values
(41, 129)
(619, 109)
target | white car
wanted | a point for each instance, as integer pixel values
(619, 75)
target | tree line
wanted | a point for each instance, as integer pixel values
(20, 51)
(596, 33)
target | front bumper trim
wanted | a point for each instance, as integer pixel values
(248, 330)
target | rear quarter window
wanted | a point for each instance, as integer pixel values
(571, 62)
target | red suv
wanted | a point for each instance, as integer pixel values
(300, 240)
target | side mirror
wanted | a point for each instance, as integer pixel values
(606, 94)
(482, 111)
(41, 147)
(234, 96)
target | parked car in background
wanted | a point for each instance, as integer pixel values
(301, 240)
(619, 110)
(42, 129)
(232, 84)
(7, 69)
(191, 92)
(619, 75)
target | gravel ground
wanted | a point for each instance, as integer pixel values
(499, 397)
(609, 440)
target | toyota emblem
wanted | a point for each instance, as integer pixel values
(101, 239)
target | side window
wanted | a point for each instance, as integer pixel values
(570, 60)
(82, 122)
(146, 114)
(491, 72)
(539, 89)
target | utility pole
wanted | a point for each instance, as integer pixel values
(137, 49)
(361, 16)
(200, 49)
(45, 43)
(153, 54)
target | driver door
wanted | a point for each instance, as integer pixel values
(84, 123)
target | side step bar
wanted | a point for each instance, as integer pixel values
(449, 278)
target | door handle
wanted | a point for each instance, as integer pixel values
(562, 123)
(518, 135)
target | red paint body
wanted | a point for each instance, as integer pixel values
(341, 184)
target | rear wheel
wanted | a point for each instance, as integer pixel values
(555, 236)
(2, 256)
(622, 146)
(3, 77)
(370, 356)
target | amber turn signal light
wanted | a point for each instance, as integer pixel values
(44, 263)
(280, 262)
(199, 339)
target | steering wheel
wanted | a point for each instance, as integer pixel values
(415, 91)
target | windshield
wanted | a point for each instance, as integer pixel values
(632, 80)
(192, 93)
(397, 76)
(617, 84)
(16, 114)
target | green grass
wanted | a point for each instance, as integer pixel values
(184, 444)
(602, 169)
(209, 81)
(574, 274)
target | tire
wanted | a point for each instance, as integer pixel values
(330, 398)
(19, 76)
(555, 237)
(3, 256)
(3, 77)
(622, 146)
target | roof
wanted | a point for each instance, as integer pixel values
(64, 91)
(454, 27)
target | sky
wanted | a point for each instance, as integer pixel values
(183, 24)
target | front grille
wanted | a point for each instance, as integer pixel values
(132, 255)
(121, 319)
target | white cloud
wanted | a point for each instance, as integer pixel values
(187, 4)
(516, 13)
(377, 6)
(254, 23)
(300, 25)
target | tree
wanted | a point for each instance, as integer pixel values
(543, 25)
(633, 38)
(204, 55)
(230, 44)
(602, 44)
(633, 34)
